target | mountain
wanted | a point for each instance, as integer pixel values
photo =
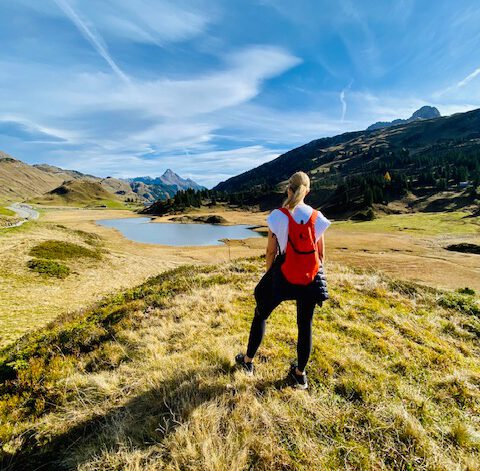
(425, 112)
(422, 157)
(121, 188)
(153, 191)
(170, 179)
(19, 181)
(79, 192)
(63, 173)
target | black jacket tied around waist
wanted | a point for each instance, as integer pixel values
(273, 288)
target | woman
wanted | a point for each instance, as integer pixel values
(295, 255)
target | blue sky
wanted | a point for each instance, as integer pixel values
(211, 88)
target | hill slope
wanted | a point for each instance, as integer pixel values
(21, 181)
(422, 157)
(143, 380)
(64, 173)
(79, 193)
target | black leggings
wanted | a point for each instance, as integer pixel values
(305, 309)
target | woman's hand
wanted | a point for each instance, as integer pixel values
(271, 249)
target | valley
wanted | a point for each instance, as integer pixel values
(405, 246)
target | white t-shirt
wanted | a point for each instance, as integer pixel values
(278, 223)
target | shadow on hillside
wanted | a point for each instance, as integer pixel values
(143, 421)
(444, 204)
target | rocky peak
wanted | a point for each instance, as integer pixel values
(426, 112)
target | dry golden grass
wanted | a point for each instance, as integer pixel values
(28, 300)
(395, 381)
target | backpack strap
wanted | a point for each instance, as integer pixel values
(311, 220)
(314, 216)
(288, 214)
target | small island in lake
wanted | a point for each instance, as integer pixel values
(205, 219)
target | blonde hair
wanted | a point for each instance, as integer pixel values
(299, 184)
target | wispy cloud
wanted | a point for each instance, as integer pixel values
(462, 83)
(92, 37)
(152, 21)
(362, 47)
(469, 78)
(344, 101)
(124, 129)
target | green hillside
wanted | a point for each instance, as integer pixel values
(80, 193)
(144, 380)
(423, 159)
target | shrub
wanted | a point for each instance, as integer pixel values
(49, 268)
(367, 215)
(461, 302)
(466, 290)
(61, 250)
(464, 248)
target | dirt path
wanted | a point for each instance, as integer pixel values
(24, 211)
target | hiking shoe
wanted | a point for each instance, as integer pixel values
(244, 365)
(297, 381)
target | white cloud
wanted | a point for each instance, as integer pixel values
(178, 114)
(207, 168)
(149, 21)
(71, 93)
(89, 33)
(462, 83)
(469, 78)
(239, 81)
(157, 22)
(343, 100)
(255, 123)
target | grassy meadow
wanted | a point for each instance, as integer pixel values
(144, 380)
(36, 287)
(420, 224)
(107, 203)
(65, 261)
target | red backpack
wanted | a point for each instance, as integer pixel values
(302, 261)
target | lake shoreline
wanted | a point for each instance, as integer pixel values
(179, 233)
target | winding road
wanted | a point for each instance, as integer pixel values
(24, 211)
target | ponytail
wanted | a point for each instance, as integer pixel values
(299, 184)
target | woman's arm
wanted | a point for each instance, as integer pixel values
(321, 249)
(271, 249)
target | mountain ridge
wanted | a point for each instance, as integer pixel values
(19, 180)
(422, 155)
(425, 112)
(170, 178)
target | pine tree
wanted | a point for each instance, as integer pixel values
(368, 197)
